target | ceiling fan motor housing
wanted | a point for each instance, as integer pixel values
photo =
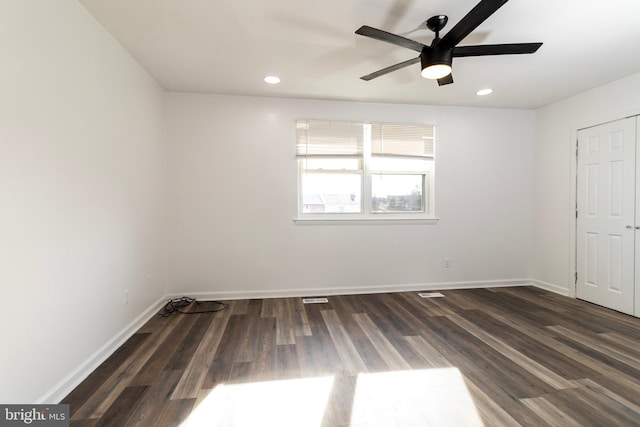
(435, 55)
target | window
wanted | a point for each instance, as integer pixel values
(353, 170)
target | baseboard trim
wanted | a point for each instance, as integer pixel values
(551, 287)
(72, 380)
(313, 292)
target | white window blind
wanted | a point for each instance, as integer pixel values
(328, 138)
(390, 139)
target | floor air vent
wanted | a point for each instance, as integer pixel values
(430, 294)
(314, 300)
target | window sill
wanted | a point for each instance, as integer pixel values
(365, 221)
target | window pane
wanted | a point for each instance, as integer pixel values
(397, 193)
(395, 164)
(331, 193)
(330, 164)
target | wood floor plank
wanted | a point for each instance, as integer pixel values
(487, 377)
(505, 302)
(432, 357)
(620, 342)
(285, 314)
(517, 356)
(119, 380)
(287, 361)
(129, 398)
(394, 324)
(625, 387)
(268, 308)
(340, 402)
(353, 363)
(254, 307)
(608, 403)
(238, 306)
(490, 411)
(369, 355)
(247, 346)
(154, 324)
(582, 312)
(264, 364)
(496, 367)
(83, 392)
(543, 354)
(302, 321)
(225, 355)
(240, 372)
(598, 344)
(549, 413)
(195, 373)
(317, 354)
(599, 389)
(151, 405)
(620, 382)
(535, 368)
(388, 316)
(579, 405)
(180, 359)
(459, 300)
(156, 364)
(175, 412)
(601, 356)
(489, 302)
(389, 353)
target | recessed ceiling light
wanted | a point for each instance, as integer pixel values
(272, 80)
(483, 92)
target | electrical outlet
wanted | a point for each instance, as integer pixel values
(126, 296)
(447, 263)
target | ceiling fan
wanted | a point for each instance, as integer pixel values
(437, 58)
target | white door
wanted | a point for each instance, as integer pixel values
(606, 215)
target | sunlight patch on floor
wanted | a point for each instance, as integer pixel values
(295, 403)
(433, 397)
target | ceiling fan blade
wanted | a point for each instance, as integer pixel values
(446, 80)
(495, 49)
(471, 20)
(384, 36)
(390, 69)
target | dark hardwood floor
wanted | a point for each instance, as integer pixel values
(492, 357)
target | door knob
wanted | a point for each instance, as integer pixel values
(637, 227)
(630, 227)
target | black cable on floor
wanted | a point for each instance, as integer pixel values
(176, 304)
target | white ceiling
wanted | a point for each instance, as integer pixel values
(228, 46)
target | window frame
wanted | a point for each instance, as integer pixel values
(367, 214)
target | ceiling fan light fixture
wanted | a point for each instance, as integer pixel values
(436, 63)
(436, 71)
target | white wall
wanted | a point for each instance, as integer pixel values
(233, 197)
(82, 169)
(555, 159)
